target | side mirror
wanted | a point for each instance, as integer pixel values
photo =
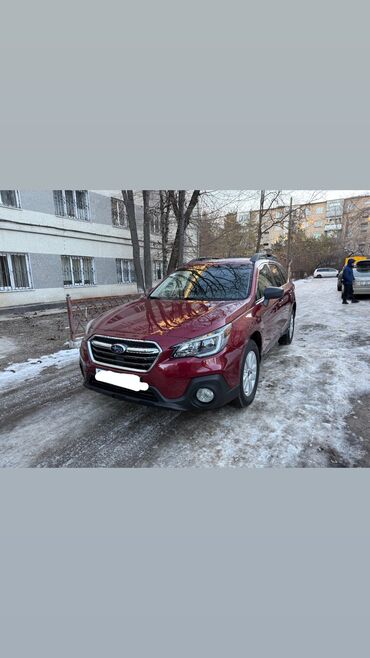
(272, 293)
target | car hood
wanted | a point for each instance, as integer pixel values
(165, 321)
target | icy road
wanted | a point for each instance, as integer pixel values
(311, 408)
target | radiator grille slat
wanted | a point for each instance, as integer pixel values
(139, 355)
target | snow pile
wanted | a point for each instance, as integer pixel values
(16, 373)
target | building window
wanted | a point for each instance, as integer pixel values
(278, 214)
(319, 210)
(15, 273)
(334, 208)
(119, 215)
(318, 224)
(157, 270)
(10, 198)
(125, 270)
(72, 203)
(78, 271)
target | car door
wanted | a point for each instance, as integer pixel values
(266, 313)
(283, 305)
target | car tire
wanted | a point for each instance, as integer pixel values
(249, 376)
(318, 276)
(288, 335)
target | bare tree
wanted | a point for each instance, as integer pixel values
(164, 209)
(183, 215)
(128, 200)
(147, 226)
(267, 201)
(181, 225)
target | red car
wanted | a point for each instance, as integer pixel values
(196, 340)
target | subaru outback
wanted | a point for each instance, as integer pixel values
(196, 340)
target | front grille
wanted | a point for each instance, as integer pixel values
(140, 355)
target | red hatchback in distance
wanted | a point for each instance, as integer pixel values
(196, 340)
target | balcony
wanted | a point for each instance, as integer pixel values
(333, 227)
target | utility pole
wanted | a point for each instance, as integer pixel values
(290, 229)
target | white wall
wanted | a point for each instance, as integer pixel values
(33, 232)
(49, 295)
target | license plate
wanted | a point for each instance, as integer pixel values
(122, 379)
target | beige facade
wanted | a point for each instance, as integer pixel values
(348, 217)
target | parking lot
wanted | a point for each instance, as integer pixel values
(311, 408)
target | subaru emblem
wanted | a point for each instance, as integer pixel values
(118, 348)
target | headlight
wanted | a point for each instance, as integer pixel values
(204, 345)
(87, 328)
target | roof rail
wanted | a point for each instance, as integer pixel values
(196, 260)
(262, 256)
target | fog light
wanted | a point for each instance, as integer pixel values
(205, 395)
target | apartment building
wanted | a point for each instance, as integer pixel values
(356, 224)
(54, 242)
(348, 218)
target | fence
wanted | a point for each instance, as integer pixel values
(80, 311)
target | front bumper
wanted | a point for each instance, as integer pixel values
(153, 398)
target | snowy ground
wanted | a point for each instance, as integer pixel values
(311, 408)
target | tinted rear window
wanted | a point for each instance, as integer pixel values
(363, 266)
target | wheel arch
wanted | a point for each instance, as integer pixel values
(256, 336)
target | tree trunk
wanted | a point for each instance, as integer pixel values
(181, 204)
(260, 218)
(174, 259)
(147, 256)
(128, 199)
(289, 241)
(164, 215)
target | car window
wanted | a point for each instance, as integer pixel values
(265, 280)
(277, 275)
(283, 271)
(206, 282)
(363, 266)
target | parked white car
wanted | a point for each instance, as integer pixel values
(320, 272)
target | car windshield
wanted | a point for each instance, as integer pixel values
(207, 283)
